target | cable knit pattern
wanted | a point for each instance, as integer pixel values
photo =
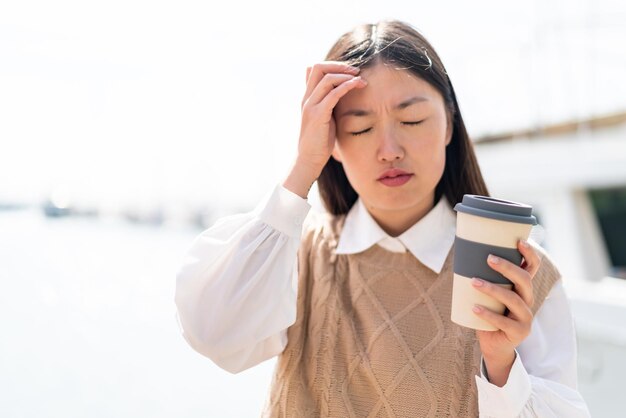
(373, 336)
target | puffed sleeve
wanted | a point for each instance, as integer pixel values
(543, 379)
(236, 289)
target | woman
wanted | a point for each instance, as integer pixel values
(356, 303)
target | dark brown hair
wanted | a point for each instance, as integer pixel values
(397, 43)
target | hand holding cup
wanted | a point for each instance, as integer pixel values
(486, 226)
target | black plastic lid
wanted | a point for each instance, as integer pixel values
(503, 210)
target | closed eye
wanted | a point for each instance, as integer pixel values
(368, 129)
(360, 132)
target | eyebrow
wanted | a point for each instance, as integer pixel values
(402, 105)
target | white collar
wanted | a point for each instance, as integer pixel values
(429, 240)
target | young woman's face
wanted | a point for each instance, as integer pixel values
(397, 121)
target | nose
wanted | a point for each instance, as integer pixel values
(389, 148)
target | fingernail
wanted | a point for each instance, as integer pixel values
(493, 259)
(477, 282)
(477, 309)
(524, 243)
(354, 69)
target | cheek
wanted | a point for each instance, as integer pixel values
(439, 161)
(357, 170)
(351, 151)
(432, 141)
(430, 157)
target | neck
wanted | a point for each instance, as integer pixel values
(396, 221)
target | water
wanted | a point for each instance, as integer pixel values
(89, 326)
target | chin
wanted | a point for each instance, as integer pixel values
(398, 202)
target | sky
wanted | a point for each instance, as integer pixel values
(189, 103)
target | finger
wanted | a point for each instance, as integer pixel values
(328, 83)
(508, 325)
(308, 74)
(521, 278)
(507, 297)
(332, 98)
(319, 70)
(532, 261)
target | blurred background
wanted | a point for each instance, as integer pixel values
(128, 127)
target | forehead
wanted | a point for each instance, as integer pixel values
(387, 85)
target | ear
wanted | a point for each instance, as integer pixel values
(335, 153)
(449, 131)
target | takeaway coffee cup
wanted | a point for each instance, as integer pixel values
(485, 226)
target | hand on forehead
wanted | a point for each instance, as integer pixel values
(388, 90)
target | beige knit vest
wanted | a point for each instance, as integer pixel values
(373, 336)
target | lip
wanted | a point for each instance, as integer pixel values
(394, 172)
(395, 177)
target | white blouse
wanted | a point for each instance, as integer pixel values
(236, 295)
